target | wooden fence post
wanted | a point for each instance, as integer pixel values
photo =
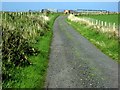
(96, 22)
(109, 25)
(92, 22)
(102, 23)
(99, 23)
(105, 24)
(114, 26)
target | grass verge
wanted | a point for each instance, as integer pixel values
(33, 76)
(109, 46)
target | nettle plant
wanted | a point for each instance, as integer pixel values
(19, 30)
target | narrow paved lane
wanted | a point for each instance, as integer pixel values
(76, 63)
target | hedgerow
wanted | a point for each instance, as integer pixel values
(19, 31)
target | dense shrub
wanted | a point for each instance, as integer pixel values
(19, 30)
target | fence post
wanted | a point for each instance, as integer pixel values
(109, 25)
(105, 24)
(92, 22)
(96, 22)
(13, 14)
(114, 26)
(99, 22)
(102, 23)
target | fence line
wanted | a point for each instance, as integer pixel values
(102, 26)
(100, 23)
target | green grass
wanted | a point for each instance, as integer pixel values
(109, 46)
(112, 18)
(33, 76)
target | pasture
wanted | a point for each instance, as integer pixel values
(110, 18)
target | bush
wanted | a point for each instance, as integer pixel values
(18, 31)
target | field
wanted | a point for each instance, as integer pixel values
(112, 18)
(25, 49)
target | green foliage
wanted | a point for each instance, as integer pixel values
(21, 32)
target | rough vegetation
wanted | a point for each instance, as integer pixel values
(20, 31)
